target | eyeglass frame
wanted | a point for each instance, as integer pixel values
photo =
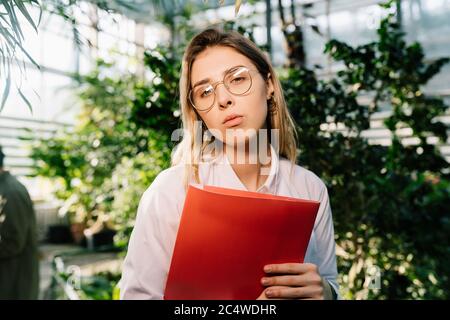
(215, 84)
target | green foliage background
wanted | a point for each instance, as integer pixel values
(390, 204)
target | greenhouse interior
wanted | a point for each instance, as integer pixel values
(90, 95)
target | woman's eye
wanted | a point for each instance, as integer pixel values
(205, 93)
(237, 80)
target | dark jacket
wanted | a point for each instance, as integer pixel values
(19, 265)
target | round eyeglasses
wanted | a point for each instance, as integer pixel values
(237, 81)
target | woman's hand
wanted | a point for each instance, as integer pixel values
(294, 281)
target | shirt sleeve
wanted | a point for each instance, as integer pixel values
(146, 265)
(323, 250)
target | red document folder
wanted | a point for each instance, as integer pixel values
(225, 238)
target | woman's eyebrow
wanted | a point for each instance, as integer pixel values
(206, 80)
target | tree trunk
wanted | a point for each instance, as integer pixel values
(293, 35)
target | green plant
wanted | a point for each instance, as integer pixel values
(390, 204)
(100, 286)
(414, 178)
(116, 134)
(129, 180)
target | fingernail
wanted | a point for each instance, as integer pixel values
(268, 292)
(265, 281)
(267, 268)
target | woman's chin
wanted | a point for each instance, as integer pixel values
(238, 138)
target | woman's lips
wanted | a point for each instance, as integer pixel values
(234, 122)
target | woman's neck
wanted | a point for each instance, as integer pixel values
(251, 166)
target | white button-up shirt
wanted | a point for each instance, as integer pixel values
(152, 241)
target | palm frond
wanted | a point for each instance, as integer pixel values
(20, 5)
(6, 89)
(24, 98)
(11, 42)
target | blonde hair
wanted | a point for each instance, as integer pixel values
(189, 150)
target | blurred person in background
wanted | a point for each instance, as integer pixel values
(19, 265)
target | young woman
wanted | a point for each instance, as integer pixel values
(229, 94)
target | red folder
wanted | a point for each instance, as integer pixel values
(225, 238)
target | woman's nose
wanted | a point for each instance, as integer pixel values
(224, 97)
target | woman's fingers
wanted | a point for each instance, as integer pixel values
(263, 295)
(314, 292)
(290, 268)
(274, 289)
(291, 280)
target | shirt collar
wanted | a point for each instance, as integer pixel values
(230, 179)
